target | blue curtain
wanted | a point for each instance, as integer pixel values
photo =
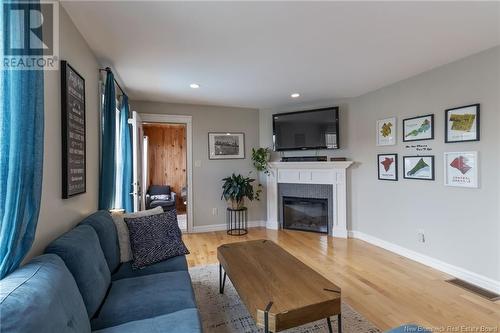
(108, 131)
(126, 153)
(21, 157)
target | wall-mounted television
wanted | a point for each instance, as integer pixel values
(304, 130)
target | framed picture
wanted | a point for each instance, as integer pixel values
(461, 169)
(224, 146)
(74, 171)
(462, 124)
(387, 166)
(386, 132)
(418, 167)
(418, 128)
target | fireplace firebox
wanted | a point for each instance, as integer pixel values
(307, 214)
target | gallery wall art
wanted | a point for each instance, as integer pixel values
(461, 169)
(386, 132)
(418, 128)
(226, 145)
(418, 167)
(387, 167)
(462, 124)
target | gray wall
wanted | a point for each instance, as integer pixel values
(207, 176)
(58, 215)
(461, 225)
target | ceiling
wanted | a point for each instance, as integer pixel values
(255, 54)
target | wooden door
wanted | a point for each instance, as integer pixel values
(167, 158)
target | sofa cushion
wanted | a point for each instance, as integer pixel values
(122, 230)
(42, 297)
(185, 321)
(145, 297)
(125, 270)
(155, 238)
(81, 252)
(102, 222)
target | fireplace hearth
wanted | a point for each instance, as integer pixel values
(307, 214)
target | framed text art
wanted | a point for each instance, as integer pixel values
(418, 167)
(387, 166)
(461, 169)
(386, 132)
(418, 128)
(223, 146)
(73, 131)
(462, 124)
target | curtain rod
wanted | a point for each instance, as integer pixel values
(119, 87)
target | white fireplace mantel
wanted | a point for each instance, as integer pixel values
(332, 173)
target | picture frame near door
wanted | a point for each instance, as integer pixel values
(73, 132)
(462, 124)
(386, 132)
(387, 167)
(461, 169)
(419, 167)
(226, 145)
(418, 128)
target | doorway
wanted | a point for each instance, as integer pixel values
(167, 162)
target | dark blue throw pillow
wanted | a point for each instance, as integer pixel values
(155, 238)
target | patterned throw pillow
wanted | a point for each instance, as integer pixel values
(155, 238)
(163, 197)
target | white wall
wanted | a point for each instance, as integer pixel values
(208, 174)
(462, 226)
(58, 215)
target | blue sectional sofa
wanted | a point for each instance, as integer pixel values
(79, 285)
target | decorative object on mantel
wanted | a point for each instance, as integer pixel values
(418, 167)
(462, 124)
(418, 128)
(224, 146)
(260, 159)
(461, 169)
(338, 159)
(386, 132)
(74, 170)
(387, 166)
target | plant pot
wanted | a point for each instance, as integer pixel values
(236, 204)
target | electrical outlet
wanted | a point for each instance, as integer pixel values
(215, 211)
(421, 235)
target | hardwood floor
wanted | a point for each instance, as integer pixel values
(387, 289)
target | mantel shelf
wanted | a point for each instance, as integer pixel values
(311, 165)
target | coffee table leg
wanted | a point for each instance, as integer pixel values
(222, 280)
(339, 321)
(329, 322)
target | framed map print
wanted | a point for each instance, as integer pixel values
(418, 128)
(387, 166)
(461, 169)
(418, 167)
(462, 124)
(386, 132)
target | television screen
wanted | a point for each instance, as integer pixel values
(313, 129)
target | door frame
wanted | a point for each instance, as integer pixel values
(188, 121)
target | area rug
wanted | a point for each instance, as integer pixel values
(226, 313)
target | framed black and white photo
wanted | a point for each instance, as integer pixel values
(386, 132)
(387, 166)
(418, 167)
(418, 128)
(223, 146)
(73, 131)
(461, 169)
(462, 124)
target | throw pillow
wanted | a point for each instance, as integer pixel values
(155, 238)
(122, 231)
(163, 197)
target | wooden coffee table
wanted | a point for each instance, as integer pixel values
(279, 291)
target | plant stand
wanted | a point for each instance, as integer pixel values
(237, 221)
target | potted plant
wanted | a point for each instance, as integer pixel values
(260, 159)
(236, 188)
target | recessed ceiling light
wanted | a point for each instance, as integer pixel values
(295, 95)
(194, 85)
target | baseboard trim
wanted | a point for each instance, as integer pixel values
(219, 227)
(461, 273)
